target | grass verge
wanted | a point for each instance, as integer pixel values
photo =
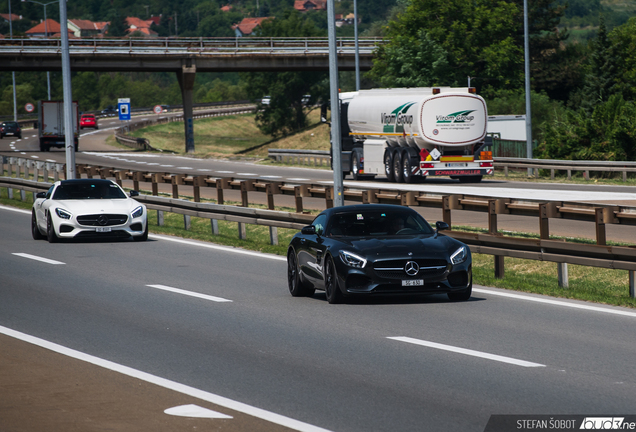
(586, 283)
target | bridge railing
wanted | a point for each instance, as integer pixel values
(200, 45)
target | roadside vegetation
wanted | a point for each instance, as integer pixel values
(586, 283)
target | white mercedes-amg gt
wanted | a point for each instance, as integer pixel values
(88, 208)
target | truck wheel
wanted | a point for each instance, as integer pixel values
(355, 166)
(397, 168)
(388, 165)
(407, 168)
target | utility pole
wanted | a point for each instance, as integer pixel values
(15, 102)
(355, 32)
(526, 46)
(69, 130)
(336, 145)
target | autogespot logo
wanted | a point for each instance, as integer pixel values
(606, 423)
(456, 117)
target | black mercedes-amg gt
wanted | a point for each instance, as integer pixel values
(377, 249)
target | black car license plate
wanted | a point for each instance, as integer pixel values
(413, 282)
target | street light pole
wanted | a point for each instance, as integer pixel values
(15, 103)
(336, 145)
(46, 31)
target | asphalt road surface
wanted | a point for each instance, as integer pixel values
(140, 328)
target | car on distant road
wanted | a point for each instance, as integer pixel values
(10, 128)
(88, 120)
(110, 111)
(88, 208)
(377, 249)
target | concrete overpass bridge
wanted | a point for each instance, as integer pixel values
(185, 57)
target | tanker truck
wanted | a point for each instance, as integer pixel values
(415, 133)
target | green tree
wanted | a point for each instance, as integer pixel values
(600, 81)
(117, 26)
(609, 133)
(624, 48)
(285, 112)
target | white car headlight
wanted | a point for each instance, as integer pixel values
(63, 213)
(352, 260)
(460, 255)
(138, 212)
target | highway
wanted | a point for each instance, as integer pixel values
(94, 151)
(219, 324)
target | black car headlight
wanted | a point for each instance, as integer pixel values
(63, 213)
(138, 212)
(352, 260)
(460, 255)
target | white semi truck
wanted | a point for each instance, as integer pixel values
(52, 129)
(414, 133)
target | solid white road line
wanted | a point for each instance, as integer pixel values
(465, 351)
(557, 302)
(17, 210)
(165, 383)
(37, 258)
(189, 293)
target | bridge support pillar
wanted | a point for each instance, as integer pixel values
(186, 82)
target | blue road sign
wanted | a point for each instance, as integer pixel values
(124, 108)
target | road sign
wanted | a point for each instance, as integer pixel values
(124, 108)
(157, 109)
(29, 107)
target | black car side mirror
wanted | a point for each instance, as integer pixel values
(134, 193)
(309, 230)
(40, 195)
(441, 226)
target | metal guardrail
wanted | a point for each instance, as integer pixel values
(566, 165)
(493, 243)
(196, 46)
(304, 157)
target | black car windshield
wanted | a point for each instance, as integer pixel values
(88, 190)
(376, 223)
(10, 124)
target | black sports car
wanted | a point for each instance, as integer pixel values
(377, 249)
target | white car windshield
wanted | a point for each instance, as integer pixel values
(88, 190)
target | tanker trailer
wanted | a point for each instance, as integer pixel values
(411, 134)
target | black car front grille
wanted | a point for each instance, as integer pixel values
(395, 269)
(102, 219)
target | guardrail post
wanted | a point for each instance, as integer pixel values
(222, 183)
(187, 222)
(197, 182)
(214, 224)
(569, 174)
(492, 217)
(2, 165)
(408, 199)
(271, 189)
(156, 179)
(45, 172)
(369, 196)
(299, 193)
(601, 238)
(562, 275)
(632, 283)
(544, 222)
(242, 232)
(177, 179)
(446, 210)
(246, 186)
(499, 266)
(328, 197)
(137, 177)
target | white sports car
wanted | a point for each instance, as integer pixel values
(85, 208)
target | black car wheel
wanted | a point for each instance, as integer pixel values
(332, 290)
(296, 286)
(462, 295)
(50, 231)
(35, 231)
